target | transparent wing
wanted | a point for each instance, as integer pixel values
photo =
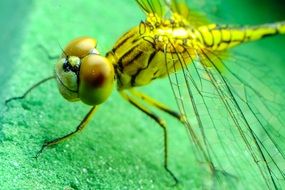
(235, 122)
(236, 130)
(162, 7)
(153, 6)
(180, 7)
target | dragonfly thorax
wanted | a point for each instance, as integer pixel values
(139, 55)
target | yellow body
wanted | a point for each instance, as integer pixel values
(138, 56)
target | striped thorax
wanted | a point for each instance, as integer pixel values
(139, 55)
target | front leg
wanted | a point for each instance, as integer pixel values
(79, 128)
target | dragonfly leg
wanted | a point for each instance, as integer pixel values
(157, 104)
(29, 90)
(79, 128)
(160, 122)
(51, 57)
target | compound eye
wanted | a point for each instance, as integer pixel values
(83, 74)
(80, 47)
(96, 78)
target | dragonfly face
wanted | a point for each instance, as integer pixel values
(83, 74)
(66, 70)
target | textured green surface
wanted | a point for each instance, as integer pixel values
(121, 148)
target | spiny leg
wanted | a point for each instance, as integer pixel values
(29, 90)
(161, 123)
(45, 50)
(157, 104)
(79, 128)
(51, 57)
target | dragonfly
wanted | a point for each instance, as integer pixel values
(234, 141)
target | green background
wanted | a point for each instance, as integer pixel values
(121, 148)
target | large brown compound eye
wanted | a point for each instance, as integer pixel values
(80, 47)
(96, 78)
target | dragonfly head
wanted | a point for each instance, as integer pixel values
(83, 74)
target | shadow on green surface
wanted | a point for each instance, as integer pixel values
(14, 16)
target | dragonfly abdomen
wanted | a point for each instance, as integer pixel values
(222, 37)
